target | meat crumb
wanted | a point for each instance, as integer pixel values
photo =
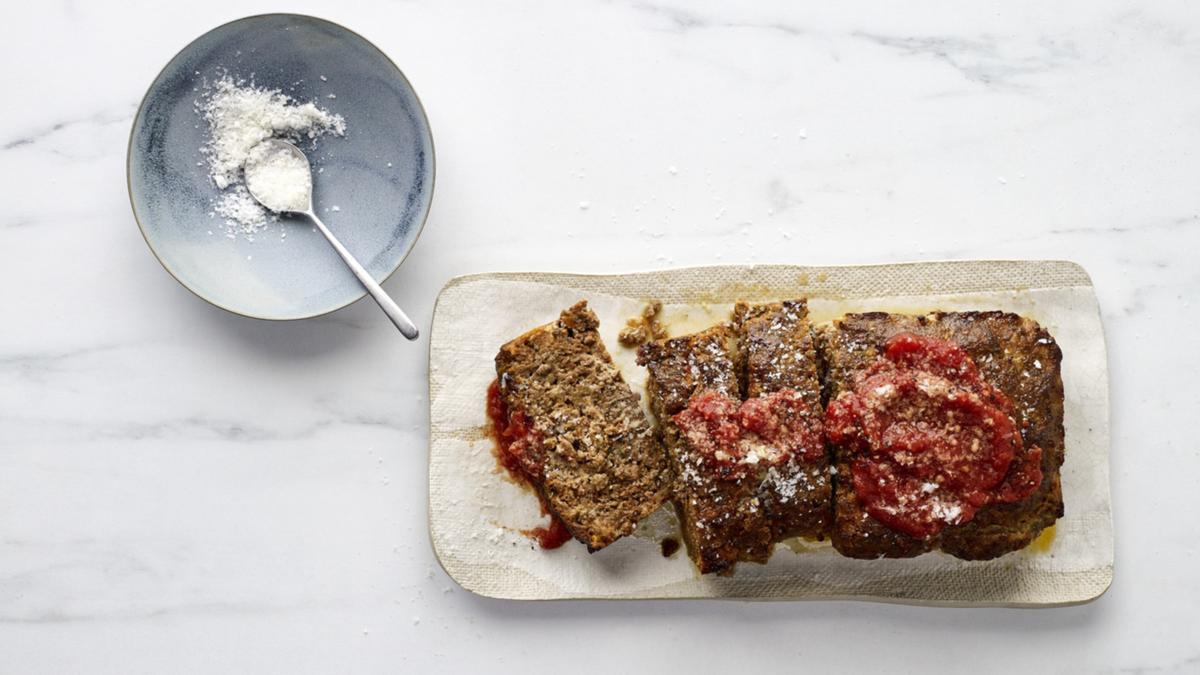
(641, 329)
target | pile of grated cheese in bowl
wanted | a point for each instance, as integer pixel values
(240, 115)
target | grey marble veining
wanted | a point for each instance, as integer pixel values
(88, 123)
(682, 20)
(182, 490)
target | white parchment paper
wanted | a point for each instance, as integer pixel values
(476, 514)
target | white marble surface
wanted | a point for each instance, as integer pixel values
(182, 490)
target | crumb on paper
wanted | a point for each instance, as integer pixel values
(643, 328)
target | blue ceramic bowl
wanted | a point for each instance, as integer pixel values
(380, 175)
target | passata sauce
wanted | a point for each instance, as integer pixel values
(932, 442)
(734, 437)
(520, 451)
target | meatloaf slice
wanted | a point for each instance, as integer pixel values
(736, 508)
(602, 468)
(779, 345)
(1014, 354)
(720, 518)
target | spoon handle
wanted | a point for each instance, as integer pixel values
(389, 306)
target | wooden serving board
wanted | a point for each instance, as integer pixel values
(476, 514)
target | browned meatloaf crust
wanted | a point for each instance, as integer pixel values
(605, 468)
(763, 349)
(1014, 354)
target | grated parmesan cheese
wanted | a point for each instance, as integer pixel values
(240, 115)
(279, 177)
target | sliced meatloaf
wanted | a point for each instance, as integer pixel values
(743, 479)
(1013, 354)
(779, 345)
(599, 465)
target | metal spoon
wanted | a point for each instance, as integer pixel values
(279, 177)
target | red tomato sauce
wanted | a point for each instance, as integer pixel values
(549, 536)
(931, 441)
(520, 452)
(735, 437)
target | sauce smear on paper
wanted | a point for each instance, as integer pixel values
(669, 546)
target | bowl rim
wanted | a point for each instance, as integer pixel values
(142, 229)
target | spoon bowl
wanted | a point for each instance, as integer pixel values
(278, 176)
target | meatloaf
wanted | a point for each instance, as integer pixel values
(779, 345)
(736, 507)
(719, 522)
(1013, 354)
(598, 466)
